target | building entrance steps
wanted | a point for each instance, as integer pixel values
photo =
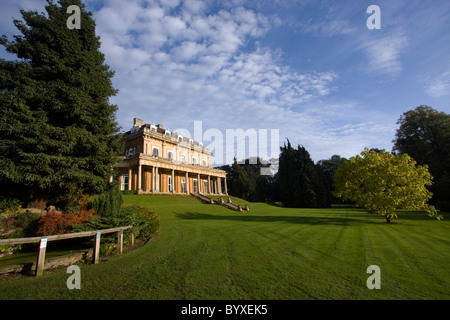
(228, 204)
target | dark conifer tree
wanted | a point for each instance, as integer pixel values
(58, 132)
(242, 184)
(300, 181)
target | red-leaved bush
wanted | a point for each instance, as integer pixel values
(60, 223)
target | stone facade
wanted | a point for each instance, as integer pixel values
(156, 160)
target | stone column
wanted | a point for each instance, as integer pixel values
(173, 180)
(156, 180)
(216, 186)
(219, 184)
(187, 182)
(130, 173)
(226, 190)
(139, 178)
(209, 184)
(198, 183)
(153, 179)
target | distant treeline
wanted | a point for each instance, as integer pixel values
(299, 182)
(423, 134)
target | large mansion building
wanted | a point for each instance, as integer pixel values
(156, 160)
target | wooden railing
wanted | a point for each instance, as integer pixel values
(43, 243)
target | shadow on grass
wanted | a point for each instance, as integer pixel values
(309, 220)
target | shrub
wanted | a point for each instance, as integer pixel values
(145, 224)
(60, 223)
(28, 221)
(10, 207)
(10, 249)
(107, 204)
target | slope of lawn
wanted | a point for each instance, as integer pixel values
(206, 251)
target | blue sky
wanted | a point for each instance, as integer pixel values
(311, 69)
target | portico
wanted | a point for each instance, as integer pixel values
(148, 172)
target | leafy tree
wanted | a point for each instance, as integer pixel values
(424, 134)
(301, 183)
(383, 182)
(244, 180)
(328, 167)
(58, 132)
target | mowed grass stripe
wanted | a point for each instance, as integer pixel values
(209, 252)
(417, 260)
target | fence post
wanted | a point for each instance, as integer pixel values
(120, 240)
(97, 247)
(41, 257)
(132, 238)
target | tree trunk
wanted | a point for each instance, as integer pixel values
(39, 200)
(388, 219)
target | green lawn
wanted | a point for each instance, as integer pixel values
(206, 251)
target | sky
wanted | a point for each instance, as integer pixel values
(310, 71)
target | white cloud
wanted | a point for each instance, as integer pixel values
(328, 27)
(384, 53)
(196, 66)
(177, 62)
(438, 86)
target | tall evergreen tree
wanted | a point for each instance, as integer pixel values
(301, 183)
(245, 181)
(242, 184)
(58, 132)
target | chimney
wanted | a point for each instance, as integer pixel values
(137, 122)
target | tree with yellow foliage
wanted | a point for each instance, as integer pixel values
(382, 182)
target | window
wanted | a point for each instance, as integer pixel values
(153, 127)
(170, 155)
(124, 182)
(205, 186)
(155, 151)
(194, 160)
(130, 152)
(180, 138)
(204, 162)
(183, 185)
(169, 184)
(195, 185)
(183, 158)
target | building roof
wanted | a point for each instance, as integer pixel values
(165, 134)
